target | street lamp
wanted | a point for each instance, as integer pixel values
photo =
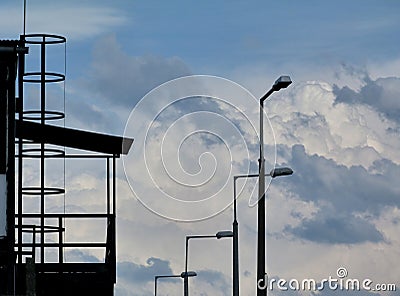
(276, 172)
(182, 275)
(218, 235)
(280, 83)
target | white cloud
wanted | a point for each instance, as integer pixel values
(349, 134)
(343, 137)
(390, 68)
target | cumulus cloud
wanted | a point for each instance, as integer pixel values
(340, 142)
(346, 188)
(341, 194)
(345, 167)
(349, 134)
(142, 273)
(337, 196)
(383, 94)
(214, 282)
(136, 279)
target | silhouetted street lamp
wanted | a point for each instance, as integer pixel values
(276, 172)
(281, 82)
(182, 275)
(218, 235)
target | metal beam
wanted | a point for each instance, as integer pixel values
(72, 138)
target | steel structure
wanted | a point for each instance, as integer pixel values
(27, 235)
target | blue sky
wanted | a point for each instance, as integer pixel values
(228, 36)
(337, 126)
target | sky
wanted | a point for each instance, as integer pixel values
(183, 79)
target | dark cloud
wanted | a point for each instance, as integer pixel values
(140, 274)
(348, 189)
(215, 279)
(342, 193)
(114, 83)
(382, 94)
(79, 256)
(84, 115)
(340, 229)
(122, 78)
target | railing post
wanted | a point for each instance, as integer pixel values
(60, 240)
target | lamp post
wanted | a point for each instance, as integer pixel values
(281, 82)
(276, 172)
(182, 275)
(218, 235)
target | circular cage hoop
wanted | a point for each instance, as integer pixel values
(45, 190)
(48, 77)
(48, 152)
(37, 115)
(43, 39)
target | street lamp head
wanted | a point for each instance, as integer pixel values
(282, 82)
(277, 172)
(187, 274)
(221, 234)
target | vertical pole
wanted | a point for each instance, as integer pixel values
(24, 17)
(34, 243)
(235, 245)
(4, 242)
(42, 162)
(60, 240)
(261, 209)
(11, 175)
(186, 278)
(21, 72)
(185, 286)
(3, 145)
(261, 204)
(108, 187)
(114, 185)
(114, 220)
(11, 155)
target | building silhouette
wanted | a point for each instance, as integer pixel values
(33, 240)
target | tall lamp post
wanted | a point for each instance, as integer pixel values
(218, 235)
(277, 172)
(281, 82)
(182, 275)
